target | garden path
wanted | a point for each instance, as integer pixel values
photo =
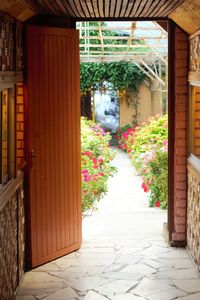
(123, 255)
(124, 210)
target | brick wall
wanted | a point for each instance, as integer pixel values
(180, 136)
(19, 126)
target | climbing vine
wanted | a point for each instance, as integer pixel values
(122, 76)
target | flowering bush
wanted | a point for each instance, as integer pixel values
(149, 156)
(95, 162)
(147, 149)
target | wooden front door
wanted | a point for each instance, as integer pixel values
(53, 143)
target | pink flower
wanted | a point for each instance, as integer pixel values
(125, 135)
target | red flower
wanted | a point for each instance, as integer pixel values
(157, 204)
(95, 166)
(101, 173)
(85, 192)
(145, 187)
(88, 153)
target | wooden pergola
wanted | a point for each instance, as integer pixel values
(142, 43)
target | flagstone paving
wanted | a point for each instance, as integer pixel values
(123, 255)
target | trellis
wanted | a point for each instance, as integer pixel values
(142, 43)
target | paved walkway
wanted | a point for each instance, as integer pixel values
(123, 256)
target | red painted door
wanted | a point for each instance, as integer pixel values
(53, 143)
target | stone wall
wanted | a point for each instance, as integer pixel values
(11, 237)
(193, 214)
(194, 74)
(193, 205)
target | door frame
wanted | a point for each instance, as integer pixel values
(53, 22)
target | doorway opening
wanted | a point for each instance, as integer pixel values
(124, 81)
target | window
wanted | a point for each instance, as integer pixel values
(7, 136)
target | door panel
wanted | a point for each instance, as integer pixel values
(53, 142)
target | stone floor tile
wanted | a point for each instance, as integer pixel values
(97, 250)
(52, 266)
(89, 283)
(114, 268)
(39, 288)
(88, 259)
(169, 294)
(150, 286)
(177, 263)
(128, 259)
(157, 290)
(151, 263)
(31, 277)
(138, 269)
(127, 296)
(41, 296)
(64, 263)
(154, 251)
(91, 295)
(122, 275)
(178, 274)
(117, 287)
(66, 293)
(74, 273)
(177, 253)
(71, 255)
(25, 298)
(129, 250)
(134, 243)
(190, 297)
(68, 276)
(188, 285)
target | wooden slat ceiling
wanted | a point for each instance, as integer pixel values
(107, 8)
(186, 13)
